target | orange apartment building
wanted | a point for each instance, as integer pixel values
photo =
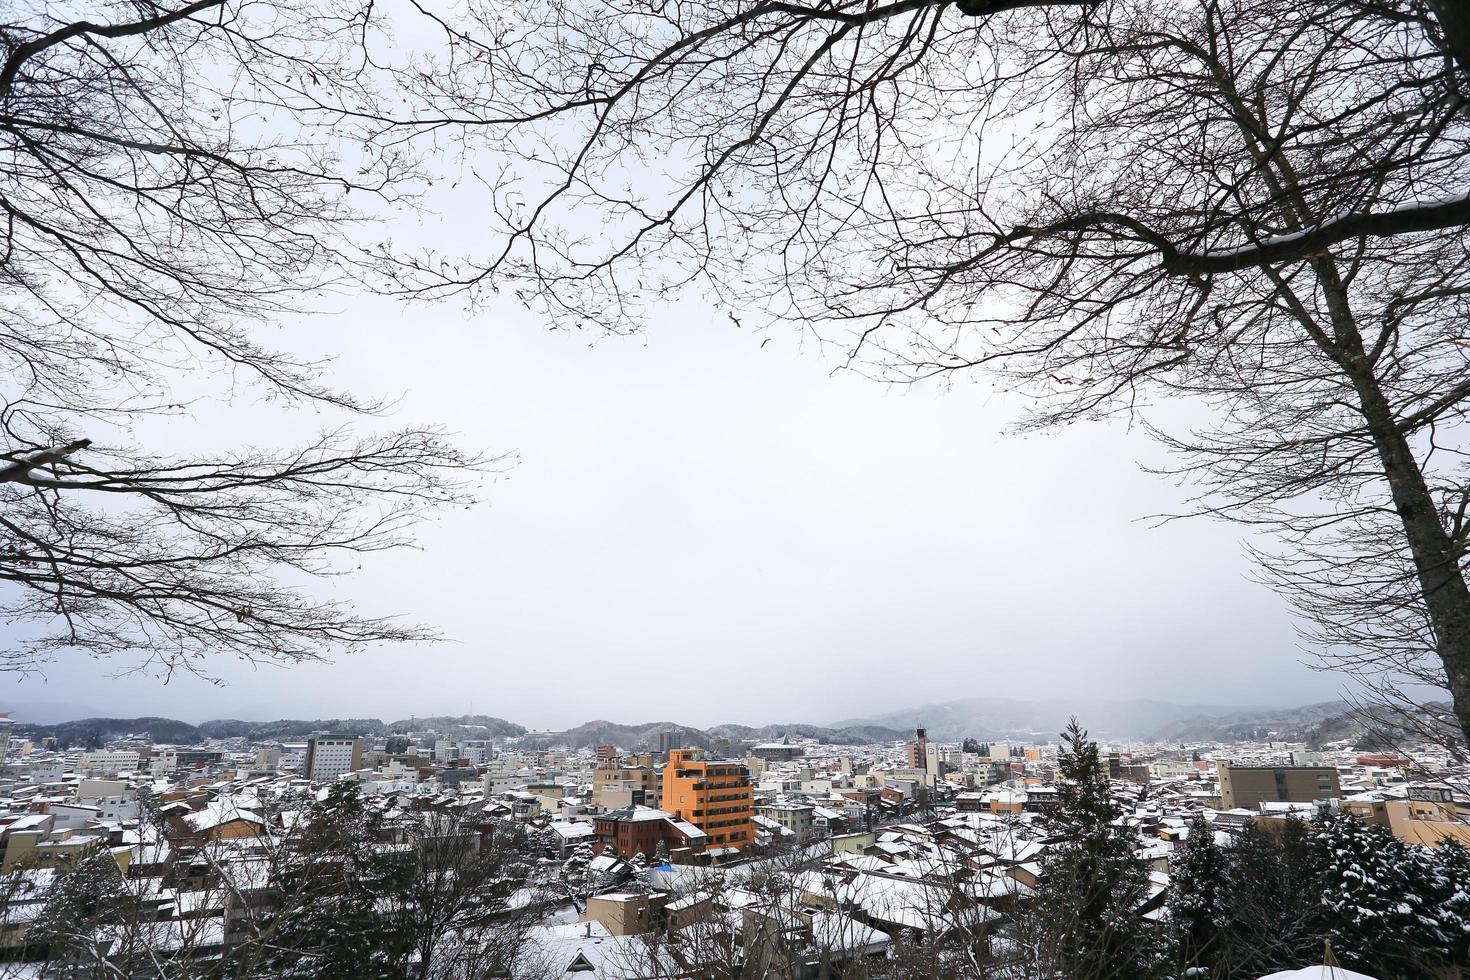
(715, 796)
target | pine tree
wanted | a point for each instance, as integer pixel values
(329, 924)
(1197, 904)
(661, 852)
(69, 927)
(1092, 883)
(1372, 912)
(1270, 897)
(1451, 901)
(638, 873)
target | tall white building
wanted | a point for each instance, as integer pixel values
(329, 756)
(108, 761)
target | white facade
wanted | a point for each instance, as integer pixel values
(330, 757)
(105, 761)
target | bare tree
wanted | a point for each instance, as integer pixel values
(1260, 206)
(173, 176)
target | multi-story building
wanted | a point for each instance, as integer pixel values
(330, 756)
(795, 817)
(171, 759)
(1429, 815)
(782, 751)
(1121, 766)
(713, 795)
(1246, 787)
(108, 761)
(616, 786)
(640, 829)
(918, 750)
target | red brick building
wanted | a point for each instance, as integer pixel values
(639, 830)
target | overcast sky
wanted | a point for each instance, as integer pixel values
(708, 525)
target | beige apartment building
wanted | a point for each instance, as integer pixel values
(615, 786)
(1429, 816)
(1246, 787)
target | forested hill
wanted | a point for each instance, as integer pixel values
(95, 731)
(646, 735)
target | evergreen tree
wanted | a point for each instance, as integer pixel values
(1453, 904)
(1197, 903)
(1372, 912)
(577, 874)
(330, 924)
(1270, 898)
(68, 930)
(661, 852)
(1442, 876)
(1092, 883)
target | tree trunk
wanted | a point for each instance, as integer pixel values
(1454, 24)
(1446, 596)
(1436, 561)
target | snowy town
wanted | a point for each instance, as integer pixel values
(788, 858)
(1020, 449)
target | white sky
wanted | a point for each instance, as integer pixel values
(705, 530)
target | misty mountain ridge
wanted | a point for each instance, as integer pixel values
(987, 718)
(1042, 719)
(601, 732)
(173, 731)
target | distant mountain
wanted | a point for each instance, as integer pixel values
(95, 731)
(603, 732)
(1327, 720)
(600, 732)
(845, 735)
(90, 731)
(1039, 720)
(287, 728)
(1367, 729)
(464, 726)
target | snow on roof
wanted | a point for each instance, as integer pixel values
(833, 930)
(218, 813)
(637, 812)
(1318, 973)
(690, 900)
(569, 830)
(555, 950)
(603, 863)
(688, 829)
(917, 904)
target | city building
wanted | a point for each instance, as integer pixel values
(1246, 787)
(1430, 815)
(615, 786)
(715, 796)
(108, 761)
(330, 756)
(796, 817)
(640, 830)
(782, 751)
(918, 750)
